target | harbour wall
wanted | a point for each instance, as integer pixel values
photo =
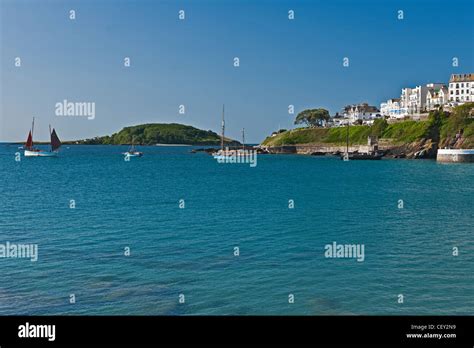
(455, 155)
(308, 149)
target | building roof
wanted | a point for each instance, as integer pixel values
(461, 78)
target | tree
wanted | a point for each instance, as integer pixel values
(312, 117)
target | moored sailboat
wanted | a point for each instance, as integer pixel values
(226, 153)
(32, 151)
(132, 152)
(371, 155)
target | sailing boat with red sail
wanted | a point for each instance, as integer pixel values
(31, 151)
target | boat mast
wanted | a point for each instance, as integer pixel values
(32, 129)
(243, 138)
(223, 129)
(51, 137)
(347, 139)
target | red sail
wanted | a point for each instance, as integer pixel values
(29, 141)
(55, 142)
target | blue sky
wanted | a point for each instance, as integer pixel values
(190, 62)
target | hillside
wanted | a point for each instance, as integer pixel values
(160, 133)
(441, 128)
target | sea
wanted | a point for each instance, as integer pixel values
(177, 233)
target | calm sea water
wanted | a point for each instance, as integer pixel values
(190, 251)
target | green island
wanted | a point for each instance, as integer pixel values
(441, 129)
(159, 133)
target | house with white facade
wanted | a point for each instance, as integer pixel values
(461, 88)
(362, 111)
(436, 97)
(391, 108)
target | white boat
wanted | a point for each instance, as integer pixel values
(226, 153)
(132, 152)
(40, 153)
(31, 151)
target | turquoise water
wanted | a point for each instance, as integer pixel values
(190, 251)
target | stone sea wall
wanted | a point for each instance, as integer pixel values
(455, 155)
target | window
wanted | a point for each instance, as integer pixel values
(457, 85)
(462, 85)
(457, 92)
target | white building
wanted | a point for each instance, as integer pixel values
(413, 100)
(362, 111)
(339, 122)
(405, 101)
(461, 88)
(391, 108)
(436, 97)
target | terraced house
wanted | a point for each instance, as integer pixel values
(461, 88)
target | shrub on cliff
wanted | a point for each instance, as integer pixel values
(459, 122)
(378, 127)
(460, 118)
(436, 120)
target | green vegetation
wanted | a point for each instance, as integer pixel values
(379, 127)
(357, 135)
(312, 117)
(441, 127)
(160, 133)
(336, 136)
(406, 131)
(461, 120)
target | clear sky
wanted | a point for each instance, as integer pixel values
(190, 61)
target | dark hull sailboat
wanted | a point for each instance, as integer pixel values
(362, 156)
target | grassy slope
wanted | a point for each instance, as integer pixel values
(440, 126)
(357, 135)
(399, 133)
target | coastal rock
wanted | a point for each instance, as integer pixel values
(423, 149)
